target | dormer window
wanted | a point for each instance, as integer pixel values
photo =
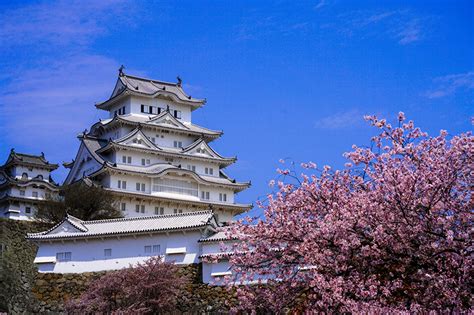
(178, 144)
(40, 177)
(24, 176)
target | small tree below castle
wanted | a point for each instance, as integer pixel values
(152, 287)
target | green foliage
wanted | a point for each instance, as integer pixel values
(82, 201)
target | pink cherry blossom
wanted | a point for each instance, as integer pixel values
(391, 232)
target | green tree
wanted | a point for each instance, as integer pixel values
(80, 200)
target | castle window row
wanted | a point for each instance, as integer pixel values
(120, 111)
(156, 110)
(149, 250)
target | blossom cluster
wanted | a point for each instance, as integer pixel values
(391, 232)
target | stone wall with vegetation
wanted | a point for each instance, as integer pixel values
(24, 290)
(53, 290)
(17, 271)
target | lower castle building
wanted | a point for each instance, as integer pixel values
(76, 246)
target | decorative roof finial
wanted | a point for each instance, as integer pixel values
(168, 108)
(121, 73)
(180, 82)
(42, 154)
(12, 151)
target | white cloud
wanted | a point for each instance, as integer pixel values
(56, 101)
(401, 25)
(451, 84)
(61, 22)
(320, 4)
(340, 120)
(51, 80)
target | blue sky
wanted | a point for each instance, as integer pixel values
(283, 79)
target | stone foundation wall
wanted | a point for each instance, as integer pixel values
(52, 290)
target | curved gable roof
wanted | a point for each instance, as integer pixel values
(128, 85)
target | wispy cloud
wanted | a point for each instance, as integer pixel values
(279, 21)
(48, 95)
(451, 84)
(340, 120)
(57, 101)
(320, 4)
(61, 22)
(404, 26)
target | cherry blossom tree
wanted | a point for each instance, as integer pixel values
(147, 288)
(391, 232)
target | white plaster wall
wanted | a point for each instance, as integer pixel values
(32, 172)
(220, 266)
(157, 158)
(137, 101)
(132, 180)
(89, 256)
(18, 211)
(166, 139)
(209, 268)
(126, 102)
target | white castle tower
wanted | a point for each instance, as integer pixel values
(152, 157)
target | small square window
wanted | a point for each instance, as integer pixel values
(123, 206)
(137, 208)
(35, 194)
(22, 192)
(138, 186)
(129, 160)
(124, 159)
(147, 161)
(148, 249)
(156, 249)
(28, 210)
(63, 256)
(159, 210)
(108, 252)
(143, 187)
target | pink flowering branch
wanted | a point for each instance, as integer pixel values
(391, 232)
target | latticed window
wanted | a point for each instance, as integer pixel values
(175, 186)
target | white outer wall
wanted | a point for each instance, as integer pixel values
(220, 266)
(32, 172)
(132, 181)
(89, 256)
(133, 106)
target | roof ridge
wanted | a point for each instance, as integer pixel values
(149, 217)
(147, 79)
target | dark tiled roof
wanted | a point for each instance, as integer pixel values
(29, 160)
(135, 225)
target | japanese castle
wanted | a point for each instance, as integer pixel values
(168, 181)
(25, 181)
(152, 157)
